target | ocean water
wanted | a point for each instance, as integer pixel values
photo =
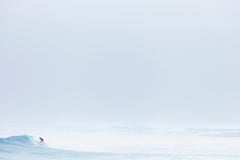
(125, 143)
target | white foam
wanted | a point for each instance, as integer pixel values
(150, 141)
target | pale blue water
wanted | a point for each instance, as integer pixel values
(24, 147)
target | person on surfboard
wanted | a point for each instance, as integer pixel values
(41, 139)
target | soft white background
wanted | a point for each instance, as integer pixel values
(131, 62)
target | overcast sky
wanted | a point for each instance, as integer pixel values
(128, 61)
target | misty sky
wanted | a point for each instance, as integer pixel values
(128, 61)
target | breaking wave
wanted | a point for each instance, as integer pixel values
(25, 147)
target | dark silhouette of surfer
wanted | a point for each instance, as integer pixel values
(41, 139)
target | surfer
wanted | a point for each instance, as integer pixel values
(41, 139)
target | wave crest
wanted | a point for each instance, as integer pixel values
(17, 140)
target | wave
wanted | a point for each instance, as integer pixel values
(17, 140)
(25, 147)
(16, 143)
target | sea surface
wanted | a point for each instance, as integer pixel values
(125, 143)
